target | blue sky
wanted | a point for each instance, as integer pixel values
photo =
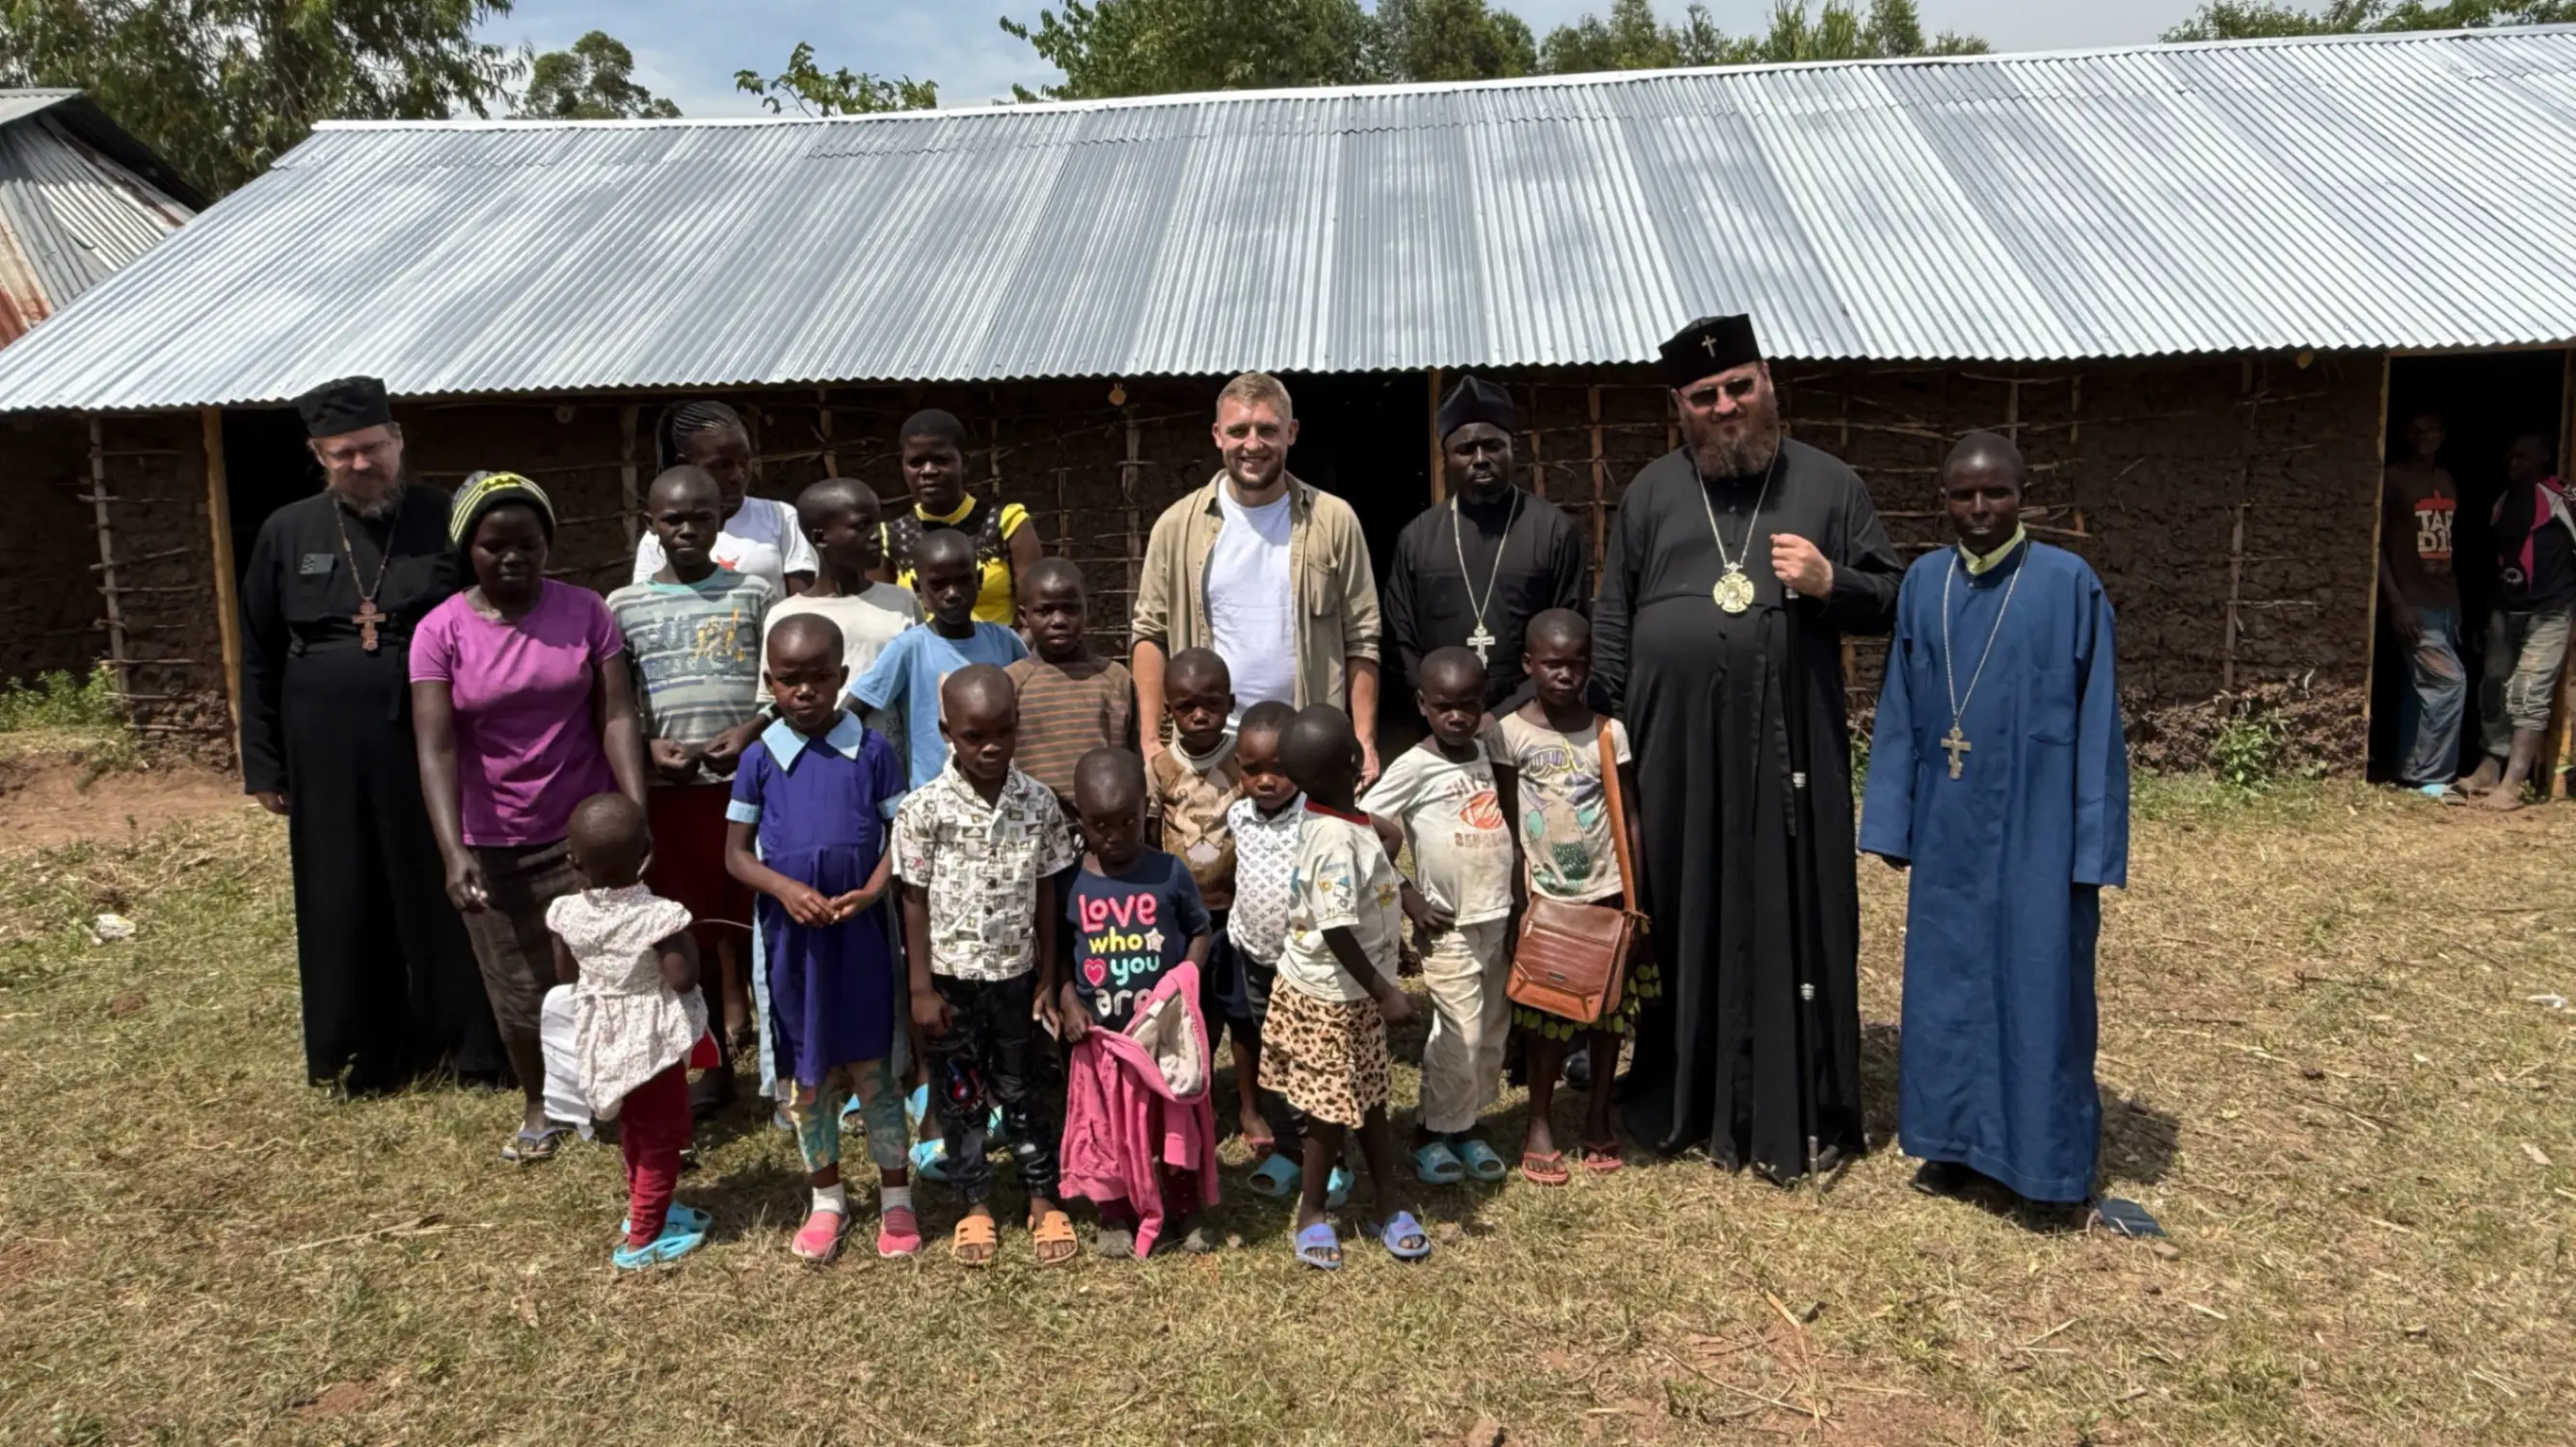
(685, 51)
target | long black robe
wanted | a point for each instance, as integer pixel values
(1702, 693)
(389, 983)
(1543, 562)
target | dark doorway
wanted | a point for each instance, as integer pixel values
(1367, 439)
(2484, 403)
(266, 466)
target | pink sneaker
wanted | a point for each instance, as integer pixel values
(819, 1239)
(899, 1234)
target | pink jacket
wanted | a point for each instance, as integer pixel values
(1123, 1122)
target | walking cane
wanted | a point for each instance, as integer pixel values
(1802, 878)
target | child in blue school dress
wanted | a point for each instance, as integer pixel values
(816, 793)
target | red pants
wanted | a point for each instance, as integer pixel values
(652, 1129)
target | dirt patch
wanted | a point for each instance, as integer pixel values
(48, 801)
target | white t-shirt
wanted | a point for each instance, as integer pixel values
(868, 622)
(761, 538)
(1565, 809)
(1343, 880)
(1252, 600)
(1462, 845)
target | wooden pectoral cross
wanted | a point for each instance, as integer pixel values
(1957, 744)
(367, 618)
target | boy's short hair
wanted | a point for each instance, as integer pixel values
(1266, 717)
(1259, 389)
(808, 628)
(816, 502)
(1113, 772)
(1199, 665)
(1055, 569)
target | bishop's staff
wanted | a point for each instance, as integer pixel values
(1803, 947)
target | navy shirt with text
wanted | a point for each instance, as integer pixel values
(1129, 930)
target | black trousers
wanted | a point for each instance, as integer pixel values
(995, 1054)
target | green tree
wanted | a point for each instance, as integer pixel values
(1448, 40)
(1631, 38)
(1159, 47)
(222, 88)
(593, 81)
(2253, 19)
(844, 92)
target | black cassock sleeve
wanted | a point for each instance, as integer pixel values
(1867, 572)
(1571, 570)
(1403, 619)
(264, 646)
(1612, 612)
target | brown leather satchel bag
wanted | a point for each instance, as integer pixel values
(1572, 959)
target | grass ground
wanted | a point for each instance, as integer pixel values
(2321, 1062)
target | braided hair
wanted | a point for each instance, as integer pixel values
(682, 421)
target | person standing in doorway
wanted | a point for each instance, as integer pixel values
(2527, 634)
(1735, 567)
(335, 586)
(1271, 572)
(760, 535)
(1999, 774)
(1471, 572)
(2422, 596)
(933, 447)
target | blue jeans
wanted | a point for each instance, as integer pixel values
(2431, 723)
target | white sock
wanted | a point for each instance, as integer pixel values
(834, 1198)
(894, 1198)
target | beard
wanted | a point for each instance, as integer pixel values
(1744, 447)
(375, 508)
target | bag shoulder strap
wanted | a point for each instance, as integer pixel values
(1618, 815)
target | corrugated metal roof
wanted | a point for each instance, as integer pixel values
(71, 212)
(2378, 192)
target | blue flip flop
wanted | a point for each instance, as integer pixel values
(1337, 1188)
(1481, 1162)
(689, 1217)
(915, 1106)
(930, 1160)
(1276, 1176)
(1399, 1227)
(1314, 1241)
(675, 1242)
(1437, 1165)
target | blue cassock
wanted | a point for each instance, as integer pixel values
(2008, 861)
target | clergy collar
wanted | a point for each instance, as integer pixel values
(846, 737)
(1978, 566)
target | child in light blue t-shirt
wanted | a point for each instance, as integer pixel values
(907, 674)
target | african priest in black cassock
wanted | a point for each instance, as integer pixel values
(1691, 645)
(334, 587)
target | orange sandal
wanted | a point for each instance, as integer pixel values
(1053, 1236)
(975, 1241)
(1600, 1160)
(1545, 1168)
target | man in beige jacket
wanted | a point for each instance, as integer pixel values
(1270, 572)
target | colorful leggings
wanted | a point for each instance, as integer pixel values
(816, 1112)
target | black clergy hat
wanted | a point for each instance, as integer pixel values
(345, 405)
(1707, 347)
(1476, 400)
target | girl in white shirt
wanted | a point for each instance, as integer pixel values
(760, 535)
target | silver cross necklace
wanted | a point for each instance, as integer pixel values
(1955, 741)
(1482, 640)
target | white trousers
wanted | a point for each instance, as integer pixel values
(565, 1100)
(1467, 969)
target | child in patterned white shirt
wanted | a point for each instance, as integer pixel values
(1264, 827)
(636, 1018)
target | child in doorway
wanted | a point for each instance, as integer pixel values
(693, 638)
(1440, 796)
(906, 677)
(1071, 701)
(1189, 786)
(636, 1017)
(816, 791)
(1262, 828)
(978, 848)
(1139, 1133)
(1548, 761)
(1325, 1044)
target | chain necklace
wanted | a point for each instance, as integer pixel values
(1734, 591)
(367, 618)
(1955, 741)
(1482, 639)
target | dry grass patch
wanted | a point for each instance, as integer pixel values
(2320, 1064)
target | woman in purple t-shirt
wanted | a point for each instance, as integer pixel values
(523, 708)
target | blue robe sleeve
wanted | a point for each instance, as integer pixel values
(1887, 798)
(2101, 758)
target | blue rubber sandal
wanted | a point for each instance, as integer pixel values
(1401, 1226)
(1314, 1241)
(915, 1106)
(675, 1242)
(1276, 1176)
(1337, 1188)
(1437, 1165)
(930, 1160)
(689, 1217)
(1481, 1162)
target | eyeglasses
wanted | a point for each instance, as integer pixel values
(343, 454)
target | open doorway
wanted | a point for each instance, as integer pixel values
(2483, 403)
(266, 466)
(1367, 439)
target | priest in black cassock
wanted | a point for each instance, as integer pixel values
(1724, 555)
(1471, 571)
(333, 590)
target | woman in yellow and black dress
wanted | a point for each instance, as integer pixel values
(934, 468)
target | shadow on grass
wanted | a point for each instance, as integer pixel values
(2139, 1140)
